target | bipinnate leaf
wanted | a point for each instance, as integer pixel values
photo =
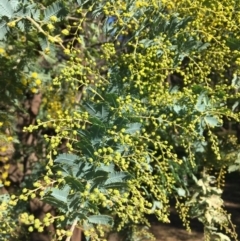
(212, 121)
(117, 177)
(53, 10)
(66, 158)
(133, 127)
(6, 9)
(101, 219)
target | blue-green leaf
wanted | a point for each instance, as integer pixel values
(99, 176)
(36, 14)
(73, 201)
(74, 183)
(60, 195)
(101, 219)
(156, 205)
(203, 46)
(103, 113)
(233, 168)
(133, 127)
(6, 9)
(4, 198)
(3, 29)
(106, 168)
(56, 203)
(202, 102)
(52, 10)
(116, 185)
(21, 25)
(181, 192)
(117, 177)
(212, 121)
(43, 42)
(14, 4)
(235, 105)
(66, 158)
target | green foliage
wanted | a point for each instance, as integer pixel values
(137, 92)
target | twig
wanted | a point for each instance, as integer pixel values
(72, 228)
(36, 25)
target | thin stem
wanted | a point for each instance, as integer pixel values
(36, 25)
(72, 228)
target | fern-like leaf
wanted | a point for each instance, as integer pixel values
(21, 25)
(52, 10)
(66, 159)
(36, 14)
(14, 4)
(6, 9)
(117, 177)
(43, 42)
(3, 30)
(60, 195)
(101, 219)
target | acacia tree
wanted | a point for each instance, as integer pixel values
(139, 94)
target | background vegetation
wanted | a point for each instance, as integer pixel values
(110, 110)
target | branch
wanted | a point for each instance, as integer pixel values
(36, 25)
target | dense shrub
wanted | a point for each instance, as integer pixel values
(115, 108)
